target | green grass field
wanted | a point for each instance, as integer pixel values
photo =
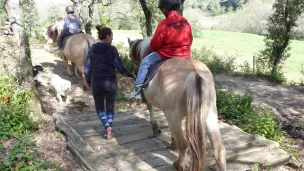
(242, 45)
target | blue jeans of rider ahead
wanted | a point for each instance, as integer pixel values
(144, 66)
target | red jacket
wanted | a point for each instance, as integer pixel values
(173, 37)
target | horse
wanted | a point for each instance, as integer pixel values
(183, 88)
(51, 36)
(75, 50)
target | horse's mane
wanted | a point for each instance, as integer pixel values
(144, 47)
(139, 49)
(52, 34)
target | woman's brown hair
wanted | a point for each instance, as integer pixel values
(103, 32)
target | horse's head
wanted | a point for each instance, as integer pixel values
(138, 49)
(50, 34)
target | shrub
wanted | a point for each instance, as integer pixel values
(238, 110)
(124, 56)
(216, 63)
(197, 32)
(17, 146)
(21, 155)
(127, 62)
(251, 18)
(14, 107)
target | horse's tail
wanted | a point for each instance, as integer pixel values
(196, 94)
(89, 44)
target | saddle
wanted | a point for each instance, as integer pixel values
(152, 71)
(66, 38)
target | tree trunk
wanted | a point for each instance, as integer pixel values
(180, 11)
(148, 17)
(88, 25)
(25, 64)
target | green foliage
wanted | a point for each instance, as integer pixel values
(216, 63)
(126, 25)
(139, 16)
(29, 15)
(104, 20)
(21, 155)
(120, 95)
(277, 41)
(14, 107)
(126, 61)
(19, 152)
(255, 167)
(238, 110)
(2, 14)
(246, 69)
(250, 18)
(196, 31)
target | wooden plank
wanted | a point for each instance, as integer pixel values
(131, 149)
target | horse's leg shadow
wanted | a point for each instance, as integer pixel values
(155, 127)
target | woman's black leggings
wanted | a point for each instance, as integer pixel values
(105, 92)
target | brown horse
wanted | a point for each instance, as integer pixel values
(51, 36)
(75, 50)
(184, 87)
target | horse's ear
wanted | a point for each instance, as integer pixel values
(129, 41)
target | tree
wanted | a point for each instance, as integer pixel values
(281, 24)
(85, 10)
(151, 13)
(148, 17)
(29, 15)
(14, 16)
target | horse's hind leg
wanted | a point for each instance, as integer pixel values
(155, 127)
(81, 69)
(214, 135)
(175, 124)
(75, 69)
(66, 65)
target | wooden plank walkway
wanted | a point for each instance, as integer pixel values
(133, 148)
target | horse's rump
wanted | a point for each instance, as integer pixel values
(76, 48)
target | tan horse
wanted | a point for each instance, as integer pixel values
(76, 50)
(184, 87)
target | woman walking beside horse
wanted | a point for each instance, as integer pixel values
(181, 88)
(99, 72)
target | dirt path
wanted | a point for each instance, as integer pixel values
(288, 102)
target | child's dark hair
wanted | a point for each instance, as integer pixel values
(103, 32)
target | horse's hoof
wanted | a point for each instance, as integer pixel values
(178, 167)
(157, 133)
(84, 88)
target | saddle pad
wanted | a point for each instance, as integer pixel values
(152, 71)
